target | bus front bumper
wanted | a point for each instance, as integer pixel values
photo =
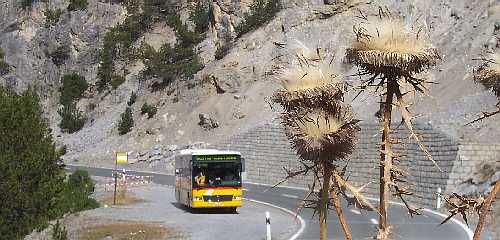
(212, 204)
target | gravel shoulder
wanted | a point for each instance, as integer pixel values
(157, 206)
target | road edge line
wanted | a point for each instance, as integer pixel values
(467, 230)
(301, 220)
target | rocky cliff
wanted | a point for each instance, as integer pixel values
(230, 94)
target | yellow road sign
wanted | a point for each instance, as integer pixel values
(121, 158)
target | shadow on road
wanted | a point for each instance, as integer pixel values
(204, 210)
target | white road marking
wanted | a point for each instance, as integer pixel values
(374, 221)
(297, 217)
(244, 189)
(290, 196)
(355, 211)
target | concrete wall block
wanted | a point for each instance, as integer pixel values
(267, 149)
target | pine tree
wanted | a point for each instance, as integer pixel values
(127, 122)
(72, 119)
(30, 176)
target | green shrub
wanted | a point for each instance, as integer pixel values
(185, 37)
(25, 4)
(149, 109)
(73, 87)
(52, 17)
(117, 80)
(120, 37)
(31, 177)
(126, 122)
(62, 150)
(91, 106)
(106, 69)
(76, 193)
(170, 63)
(181, 61)
(261, 12)
(75, 5)
(223, 50)
(72, 119)
(59, 231)
(60, 55)
(132, 99)
(200, 17)
(4, 68)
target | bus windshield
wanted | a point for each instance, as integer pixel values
(216, 174)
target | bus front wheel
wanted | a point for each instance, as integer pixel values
(233, 210)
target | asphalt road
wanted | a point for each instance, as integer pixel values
(363, 224)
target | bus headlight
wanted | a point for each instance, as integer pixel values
(237, 198)
(197, 199)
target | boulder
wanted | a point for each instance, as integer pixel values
(206, 122)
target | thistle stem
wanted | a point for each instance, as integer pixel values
(340, 213)
(485, 209)
(323, 205)
(386, 161)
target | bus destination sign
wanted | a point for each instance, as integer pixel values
(216, 157)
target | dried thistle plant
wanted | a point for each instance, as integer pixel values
(321, 128)
(392, 53)
(325, 132)
(488, 74)
(308, 81)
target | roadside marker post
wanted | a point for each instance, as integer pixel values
(268, 226)
(438, 202)
(120, 158)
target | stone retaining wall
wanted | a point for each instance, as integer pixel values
(266, 151)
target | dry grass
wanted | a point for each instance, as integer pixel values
(129, 231)
(122, 198)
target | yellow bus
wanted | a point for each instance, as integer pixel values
(206, 178)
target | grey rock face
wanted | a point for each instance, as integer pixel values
(207, 122)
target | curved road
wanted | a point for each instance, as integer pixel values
(363, 224)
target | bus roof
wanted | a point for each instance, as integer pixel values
(207, 152)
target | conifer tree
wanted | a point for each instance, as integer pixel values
(30, 176)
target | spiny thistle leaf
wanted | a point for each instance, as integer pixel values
(360, 200)
(409, 125)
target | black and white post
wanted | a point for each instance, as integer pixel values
(438, 200)
(268, 226)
